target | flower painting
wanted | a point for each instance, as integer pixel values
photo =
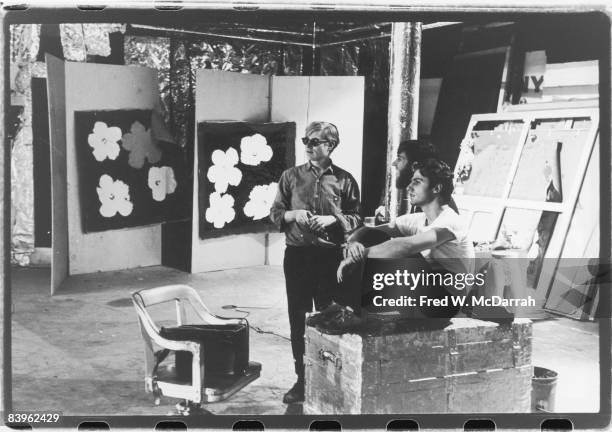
(141, 146)
(127, 175)
(104, 141)
(239, 167)
(223, 171)
(162, 182)
(114, 195)
(254, 150)
(260, 201)
(221, 210)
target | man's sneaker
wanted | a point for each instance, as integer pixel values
(296, 394)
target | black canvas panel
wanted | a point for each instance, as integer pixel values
(127, 178)
(237, 179)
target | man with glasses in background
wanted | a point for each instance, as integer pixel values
(316, 206)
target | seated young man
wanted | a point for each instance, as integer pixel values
(437, 235)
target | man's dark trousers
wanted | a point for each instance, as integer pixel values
(310, 276)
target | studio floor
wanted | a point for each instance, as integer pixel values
(80, 352)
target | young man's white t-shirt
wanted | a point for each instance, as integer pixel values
(456, 255)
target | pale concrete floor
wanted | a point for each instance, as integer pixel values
(80, 351)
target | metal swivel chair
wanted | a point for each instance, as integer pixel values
(165, 380)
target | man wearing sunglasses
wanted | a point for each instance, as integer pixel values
(316, 206)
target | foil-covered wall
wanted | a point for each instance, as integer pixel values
(368, 58)
(78, 41)
(154, 53)
(23, 51)
(81, 40)
(176, 58)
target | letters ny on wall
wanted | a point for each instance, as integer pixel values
(130, 174)
(239, 168)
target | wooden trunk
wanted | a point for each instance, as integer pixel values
(469, 366)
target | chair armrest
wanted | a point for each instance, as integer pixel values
(154, 335)
(210, 318)
(173, 345)
(230, 320)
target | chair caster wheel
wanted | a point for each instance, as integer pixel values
(183, 408)
(189, 408)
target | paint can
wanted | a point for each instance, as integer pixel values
(543, 387)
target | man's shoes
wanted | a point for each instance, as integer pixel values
(296, 394)
(496, 314)
(343, 321)
(324, 315)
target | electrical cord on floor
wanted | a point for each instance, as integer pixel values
(247, 313)
(260, 331)
(255, 328)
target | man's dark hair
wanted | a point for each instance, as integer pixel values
(418, 150)
(438, 173)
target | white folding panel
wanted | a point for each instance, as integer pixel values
(93, 87)
(227, 96)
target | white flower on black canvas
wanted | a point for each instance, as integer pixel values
(221, 210)
(260, 201)
(114, 195)
(140, 144)
(161, 181)
(223, 172)
(103, 140)
(254, 150)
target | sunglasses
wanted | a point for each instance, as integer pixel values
(313, 142)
